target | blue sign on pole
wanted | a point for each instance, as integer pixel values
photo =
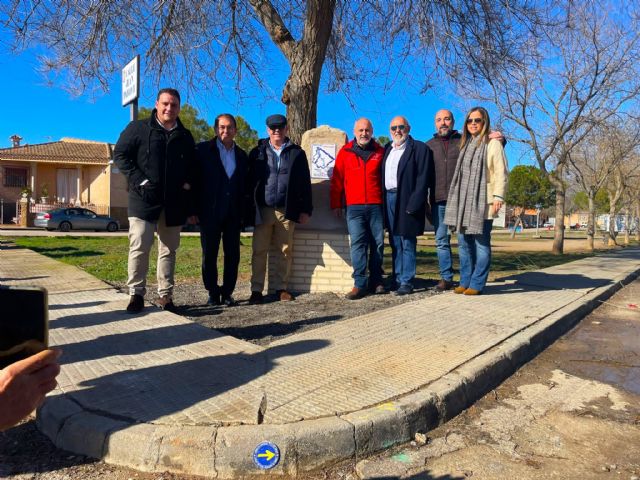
(266, 455)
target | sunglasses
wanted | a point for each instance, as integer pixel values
(474, 120)
(398, 127)
(277, 127)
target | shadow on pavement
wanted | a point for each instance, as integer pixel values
(148, 394)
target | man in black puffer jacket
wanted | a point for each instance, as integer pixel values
(157, 156)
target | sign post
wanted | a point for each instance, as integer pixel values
(131, 86)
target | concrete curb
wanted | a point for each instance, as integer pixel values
(227, 451)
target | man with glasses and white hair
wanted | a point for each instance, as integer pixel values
(405, 172)
(282, 193)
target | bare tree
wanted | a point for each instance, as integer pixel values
(580, 73)
(203, 46)
(597, 158)
(625, 177)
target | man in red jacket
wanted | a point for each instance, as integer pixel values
(356, 183)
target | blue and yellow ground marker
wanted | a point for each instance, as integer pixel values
(266, 455)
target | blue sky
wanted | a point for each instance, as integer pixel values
(42, 113)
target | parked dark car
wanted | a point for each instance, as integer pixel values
(75, 218)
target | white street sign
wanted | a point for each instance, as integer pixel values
(131, 81)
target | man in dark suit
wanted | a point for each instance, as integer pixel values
(223, 203)
(405, 176)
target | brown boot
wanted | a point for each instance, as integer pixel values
(284, 296)
(444, 285)
(166, 303)
(459, 289)
(356, 294)
(472, 291)
(136, 304)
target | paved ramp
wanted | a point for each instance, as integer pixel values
(157, 392)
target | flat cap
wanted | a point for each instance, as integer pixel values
(276, 120)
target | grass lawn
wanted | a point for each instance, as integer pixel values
(106, 257)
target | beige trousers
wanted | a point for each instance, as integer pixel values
(274, 231)
(141, 233)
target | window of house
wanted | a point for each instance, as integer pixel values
(15, 177)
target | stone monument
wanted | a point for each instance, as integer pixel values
(321, 252)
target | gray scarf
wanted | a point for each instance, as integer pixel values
(467, 202)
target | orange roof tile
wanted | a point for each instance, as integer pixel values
(70, 151)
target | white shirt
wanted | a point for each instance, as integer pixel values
(228, 157)
(391, 166)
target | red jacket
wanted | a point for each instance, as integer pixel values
(359, 181)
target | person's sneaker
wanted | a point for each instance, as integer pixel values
(444, 285)
(166, 303)
(228, 301)
(472, 291)
(256, 298)
(459, 289)
(356, 294)
(404, 290)
(136, 304)
(284, 296)
(378, 289)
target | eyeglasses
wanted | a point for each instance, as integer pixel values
(398, 127)
(474, 120)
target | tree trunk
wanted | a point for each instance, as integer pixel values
(592, 221)
(558, 234)
(611, 241)
(638, 220)
(305, 57)
(627, 220)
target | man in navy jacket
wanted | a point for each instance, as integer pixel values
(405, 176)
(224, 196)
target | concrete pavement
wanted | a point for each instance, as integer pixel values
(159, 393)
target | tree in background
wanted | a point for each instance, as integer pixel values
(190, 118)
(528, 188)
(581, 72)
(382, 140)
(598, 158)
(246, 137)
(248, 42)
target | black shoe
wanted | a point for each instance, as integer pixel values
(378, 289)
(214, 299)
(404, 290)
(136, 304)
(166, 303)
(228, 301)
(256, 298)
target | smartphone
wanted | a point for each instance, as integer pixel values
(23, 323)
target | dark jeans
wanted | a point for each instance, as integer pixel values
(475, 257)
(210, 236)
(443, 244)
(366, 229)
(403, 249)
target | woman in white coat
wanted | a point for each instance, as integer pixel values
(476, 196)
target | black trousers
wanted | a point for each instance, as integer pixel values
(210, 236)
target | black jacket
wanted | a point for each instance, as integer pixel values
(221, 198)
(413, 186)
(444, 164)
(298, 187)
(146, 151)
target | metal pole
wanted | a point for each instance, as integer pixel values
(134, 110)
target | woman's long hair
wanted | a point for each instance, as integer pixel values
(486, 127)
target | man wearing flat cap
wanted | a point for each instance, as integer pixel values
(282, 192)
